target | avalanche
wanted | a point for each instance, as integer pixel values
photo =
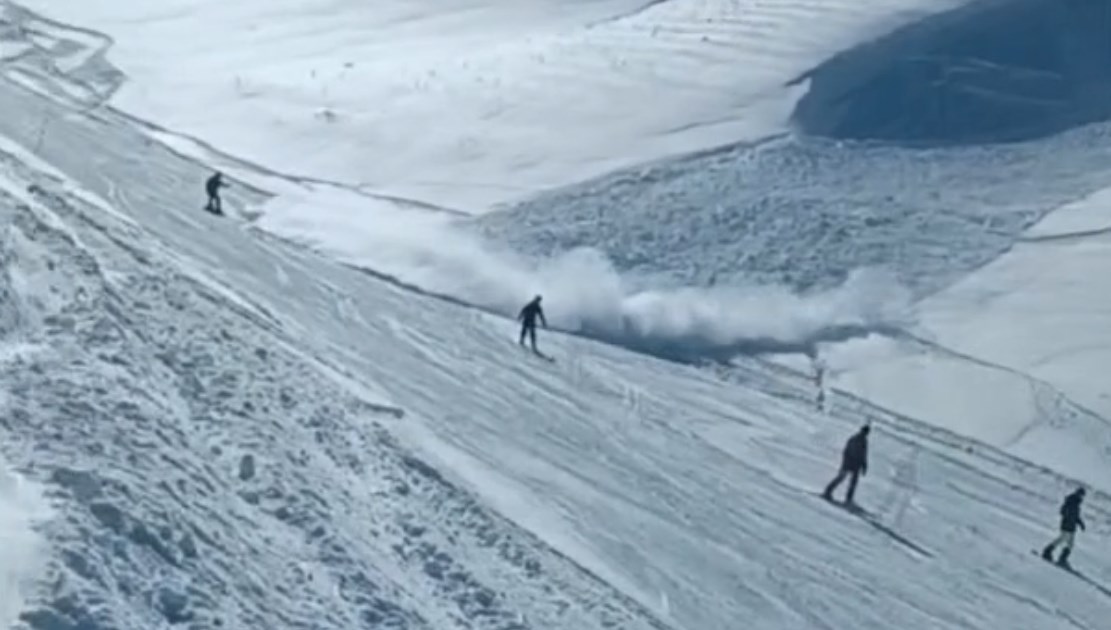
(219, 427)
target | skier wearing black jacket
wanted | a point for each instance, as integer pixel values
(854, 462)
(212, 186)
(1070, 520)
(527, 317)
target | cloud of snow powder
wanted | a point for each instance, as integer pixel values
(21, 548)
(583, 293)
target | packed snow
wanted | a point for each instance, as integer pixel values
(1014, 351)
(241, 432)
(296, 417)
(470, 103)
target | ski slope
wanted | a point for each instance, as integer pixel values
(465, 104)
(233, 430)
(1011, 354)
(997, 332)
(238, 429)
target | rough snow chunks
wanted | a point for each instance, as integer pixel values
(161, 542)
(188, 547)
(173, 604)
(247, 467)
(109, 516)
(82, 485)
(141, 535)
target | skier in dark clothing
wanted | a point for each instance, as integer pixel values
(1070, 520)
(527, 317)
(854, 462)
(212, 186)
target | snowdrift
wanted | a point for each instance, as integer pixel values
(583, 292)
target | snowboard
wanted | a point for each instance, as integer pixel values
(537, 354)
(1053, 562)
(878, 525)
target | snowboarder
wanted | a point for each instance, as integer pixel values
(212, 186)
(854, 462)
(1070, 520)
(527, 317)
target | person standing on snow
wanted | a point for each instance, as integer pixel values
(212, 186)
(854, 462)
(1070, 520)
(527, 317)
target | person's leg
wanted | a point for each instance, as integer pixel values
(1062, 538)
(532, 337)
(1067, 539)
(854, 476)
(833, 484)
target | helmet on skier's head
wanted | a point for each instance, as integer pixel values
(537, 298)
(865, 429)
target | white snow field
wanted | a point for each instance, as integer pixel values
(240, 433)
(469, 103)
(1008, 351)
(1014, 352)
(236, 431)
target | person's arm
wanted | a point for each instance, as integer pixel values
(543, 321)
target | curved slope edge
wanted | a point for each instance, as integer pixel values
(993, 71)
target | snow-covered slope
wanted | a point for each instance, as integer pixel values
(236, 429)
(22, 551)
(466, 103)
(1006, 354)
(1013, 353)
(221, 414)
(238, 432)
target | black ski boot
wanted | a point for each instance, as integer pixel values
(1047, 553)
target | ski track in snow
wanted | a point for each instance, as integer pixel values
(232, 471)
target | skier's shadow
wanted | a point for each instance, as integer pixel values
(894, 535)
(1101, 588)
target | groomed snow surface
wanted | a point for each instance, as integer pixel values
(238, 430)
(232, 430)
(469, 103)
